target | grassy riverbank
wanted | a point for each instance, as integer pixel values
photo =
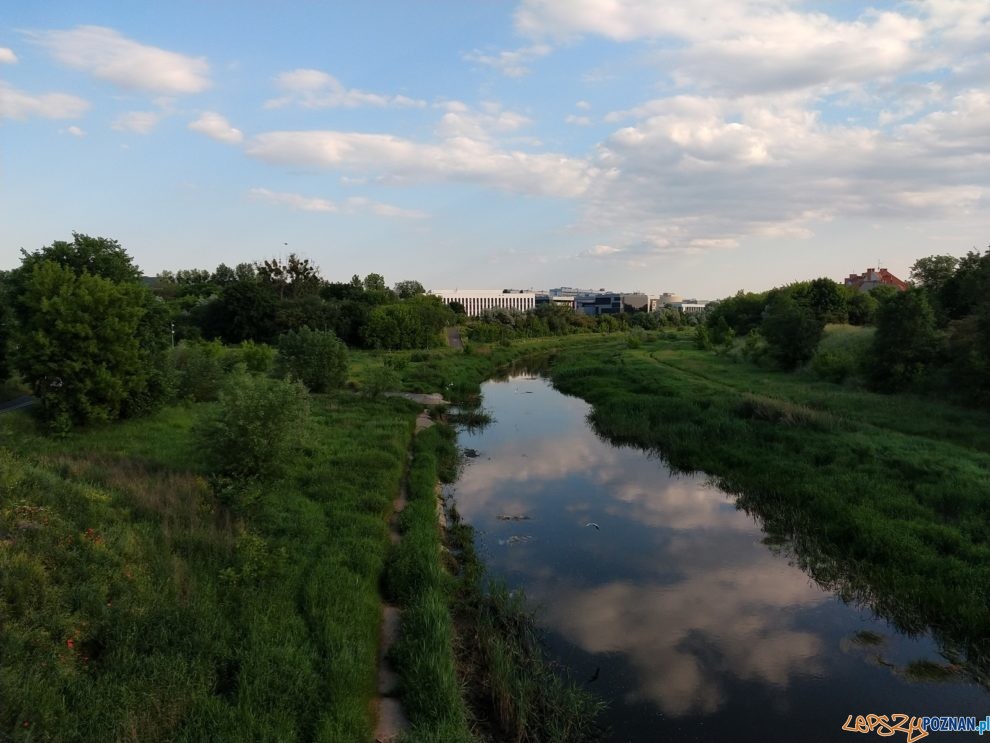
(144, 599)
(885, 499)
(140, 603)
(468, 656)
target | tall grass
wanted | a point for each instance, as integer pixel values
(137, 602)
(424, 653)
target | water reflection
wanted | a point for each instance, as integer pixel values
(684, 612)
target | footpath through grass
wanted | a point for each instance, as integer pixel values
(885, 499)
(140, 603)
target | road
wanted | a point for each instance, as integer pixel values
(17, 403)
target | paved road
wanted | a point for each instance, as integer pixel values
(23, 401)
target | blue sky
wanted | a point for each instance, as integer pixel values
(697, 148)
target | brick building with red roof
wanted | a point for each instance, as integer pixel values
(874, 278)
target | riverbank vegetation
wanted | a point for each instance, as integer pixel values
(145, 599)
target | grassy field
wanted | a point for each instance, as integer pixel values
(142, 604)
(885, 499)
(143, 600)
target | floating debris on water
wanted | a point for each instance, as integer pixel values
(516, 540)
(514, 517)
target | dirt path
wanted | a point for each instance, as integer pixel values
(454, 338)
(392, 721)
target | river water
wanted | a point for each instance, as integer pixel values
(678, 609)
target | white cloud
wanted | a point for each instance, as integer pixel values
(352, 205)
(460, 120)
(317, 89)
(7, 56)
(467, 149)
(578, 120)
(743, 45)
(510, 63)
(583, 105)
(137, 122)
(17, 104)
(110, 56)
(294, 201)
(75, 131)
(216, 127)
(399, 160)
(694, 173)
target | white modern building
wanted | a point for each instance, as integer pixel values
(476, 301)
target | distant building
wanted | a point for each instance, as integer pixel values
(635, 302)
(690, 308)
(476, 301)
(604, 303)
(873, 278)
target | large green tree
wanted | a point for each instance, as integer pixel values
(905, 343)
(792, 330)
(78, 344)
(316, 358)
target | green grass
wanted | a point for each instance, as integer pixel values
(885, 499)
(424, 653)
(194, 613)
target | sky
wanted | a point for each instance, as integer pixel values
(697, 148)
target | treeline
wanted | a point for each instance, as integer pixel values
(260, 301)
(933, 338)
(504, 324)
(95, 341)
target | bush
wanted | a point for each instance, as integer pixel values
(381, 379)
(255, 426)
(792, 331)
(316, 358)
(257, 357)
(842, 353)
(200, 368)
(906, 341)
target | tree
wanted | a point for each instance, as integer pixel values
(792, 330)
(407, 289)
(933, 272)
(905, 343)
(414, 323)
(224, 275)
(827, 299)
(99, 256)
(374, 282)
(243, 311)
(78, 344)
(295, 277)
(257, 423)
(4, 329)
(862, 308)
(316, 358)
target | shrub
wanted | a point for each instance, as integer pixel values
(792, 331)
(255, 426)
(257, 357)
(381, 379)
(316, 358)
(842, 353)
(200, 368)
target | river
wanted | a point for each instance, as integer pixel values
(670, 603)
